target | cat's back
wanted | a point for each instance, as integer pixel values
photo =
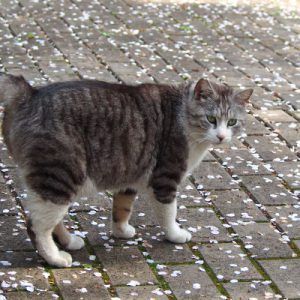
(80, 100)
(61, 105)
(116, 127)
(79, 86)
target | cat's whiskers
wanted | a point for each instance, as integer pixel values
(196, 138)
(198, 141)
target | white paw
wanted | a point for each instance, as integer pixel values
(178, 235)
(123, 231)
(76, 242)
(61, 259)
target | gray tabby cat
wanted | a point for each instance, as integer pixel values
(127, 139)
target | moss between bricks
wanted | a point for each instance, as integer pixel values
(96, 263)
(209, 271)
(163, 284)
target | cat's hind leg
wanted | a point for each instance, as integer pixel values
(44, 216)
(66, 239)
(53, 166)
(122, 209)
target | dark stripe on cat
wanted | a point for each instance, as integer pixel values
(129, 192)
(73, 171)
(164, 193)
(46, 174)
(52, 191)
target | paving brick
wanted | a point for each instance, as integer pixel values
(14, 231)
(188, 282)
(5, 157)
(262, 98)
(274, 116)
(236, 206)
(285, 274)
(288, 217)
(297, 242)
(263, 241)
(290, 132)
(141, 293)
(268, 190)
(164, 252)
(233, 145)
(249, 290)
(127, 259)
(80, 257)
(143, 213)
(210, 175)
(30, 296)
(296, 114)
(203, 224)
(292, 97)
(96, 226)
(80, 284)
(289, 171)
(7, 203)
(17, 182)
(115, 40)
(96, 201)
(189, 195)
(31, 279)
(228, 261)
(20, 259)
(253, 126)
(270, 148)
(242, 162)
(209, 157)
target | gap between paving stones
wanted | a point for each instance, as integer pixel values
(246, 251)
(51, 42)
(221, 221)
(98, 57)
(115, 16)
(261, 207)
(74, 69)
(204, 66)
(228, 60)
(253, 20)
(29, 55)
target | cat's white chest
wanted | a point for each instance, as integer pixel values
(196, 154)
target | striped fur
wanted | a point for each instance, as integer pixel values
(122, 138)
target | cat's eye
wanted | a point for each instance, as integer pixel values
(211, 119)
(231, 122)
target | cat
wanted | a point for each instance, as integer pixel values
(127, 139)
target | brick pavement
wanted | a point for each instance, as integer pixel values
(242, 204)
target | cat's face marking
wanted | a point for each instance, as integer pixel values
(216, 112)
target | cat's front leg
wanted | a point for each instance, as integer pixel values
(166, 211)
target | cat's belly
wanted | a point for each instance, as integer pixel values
(90, 187)
(119, 176)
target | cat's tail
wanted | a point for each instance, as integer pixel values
(13, 91)
(14, 88)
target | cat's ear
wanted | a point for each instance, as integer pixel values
(243, 97)
(203, 88)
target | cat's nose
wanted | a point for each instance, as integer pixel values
(221, 137)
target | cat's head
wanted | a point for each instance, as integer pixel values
(215, 112)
